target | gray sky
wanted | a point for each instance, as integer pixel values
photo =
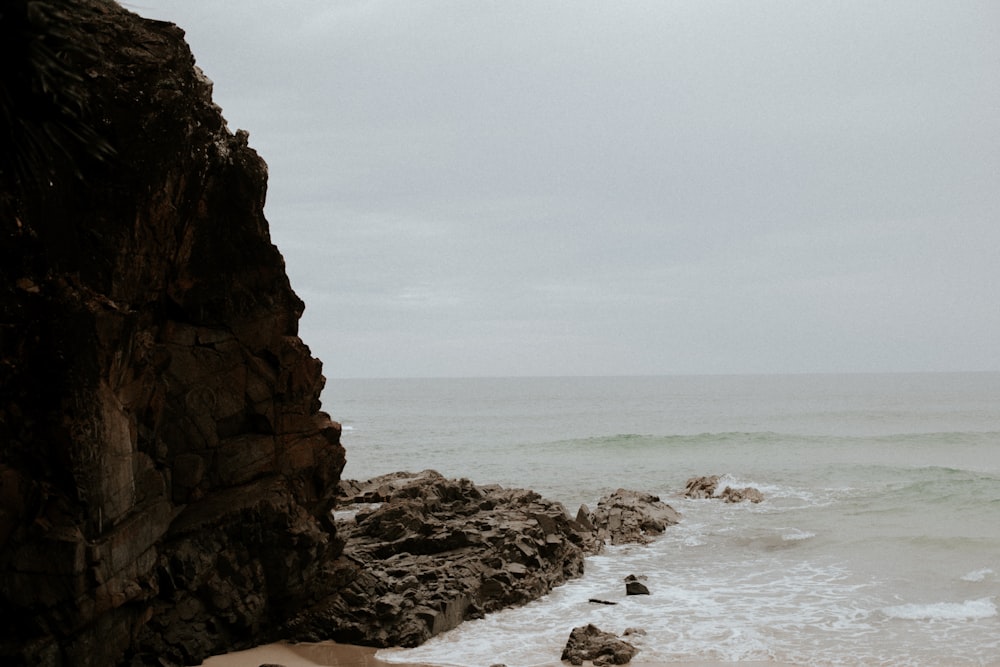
(590, 188)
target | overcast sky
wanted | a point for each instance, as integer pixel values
(474, 188)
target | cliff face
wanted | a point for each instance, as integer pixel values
(165, 470)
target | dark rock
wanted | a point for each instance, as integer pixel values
(603, 648)
(599, 601)
(632, 517)
(165, 465)
(636, 588)
(633, 586)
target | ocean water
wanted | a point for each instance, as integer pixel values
(878, 542)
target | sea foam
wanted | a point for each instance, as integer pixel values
(944, 611)
(978, 575)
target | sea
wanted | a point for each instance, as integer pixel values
(877, 543)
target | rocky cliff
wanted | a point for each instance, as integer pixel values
(165, 469)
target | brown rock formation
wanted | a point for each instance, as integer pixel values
(163, 459)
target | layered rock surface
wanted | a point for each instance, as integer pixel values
(164, 464)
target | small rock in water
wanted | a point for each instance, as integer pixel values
(731, 495)
(705, 487)
(701, 487)
(636, 588)
(588, 642)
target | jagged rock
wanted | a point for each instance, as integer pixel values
(701, 487)
(631, 517)
(731, 495)
(707, 487)
(635, 587)
(591, 643)
(435, 552)
(164, 467)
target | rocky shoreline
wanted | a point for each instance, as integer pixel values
(423, 553)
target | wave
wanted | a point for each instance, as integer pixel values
(978, 576)
(776, 437)
(944, 611)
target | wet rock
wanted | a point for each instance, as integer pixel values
(749, 493)
(701, 487)
(633, 586)
(626, 517)
(603, 648)
(707, 487)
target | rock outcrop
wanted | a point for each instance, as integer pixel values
(423, 553)
(165, 469)
(627, 516)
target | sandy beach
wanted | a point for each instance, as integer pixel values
(332, 654)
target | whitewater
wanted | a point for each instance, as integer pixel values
(878, 542)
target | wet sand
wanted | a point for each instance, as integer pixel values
(323, 654)
(331, 654)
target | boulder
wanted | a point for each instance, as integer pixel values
(589, 642)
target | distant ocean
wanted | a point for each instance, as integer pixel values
(878, 542)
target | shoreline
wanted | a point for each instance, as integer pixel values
(332, 654)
